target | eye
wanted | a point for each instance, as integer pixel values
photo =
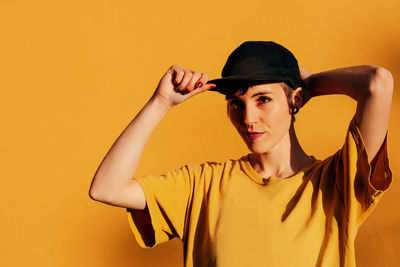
(264, 99)
(235, 104)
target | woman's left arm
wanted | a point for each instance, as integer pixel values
(371, 86)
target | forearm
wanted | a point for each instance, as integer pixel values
(354, 81)
(120, 164)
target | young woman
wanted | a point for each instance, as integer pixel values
(276, 206)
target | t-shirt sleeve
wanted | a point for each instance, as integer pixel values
(360, 184)
(168, 197)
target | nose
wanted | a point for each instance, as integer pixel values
(249, 115)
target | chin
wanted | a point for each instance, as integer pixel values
(255, 147)
(258, 149)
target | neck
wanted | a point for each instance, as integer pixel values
(284, 160)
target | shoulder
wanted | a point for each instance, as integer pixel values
(215, 170)
(223, 164)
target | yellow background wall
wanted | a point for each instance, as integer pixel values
(73, 74)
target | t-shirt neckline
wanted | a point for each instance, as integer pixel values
(256, 177)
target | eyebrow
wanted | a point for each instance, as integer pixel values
(265, 92)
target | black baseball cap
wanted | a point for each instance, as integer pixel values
(256, 62)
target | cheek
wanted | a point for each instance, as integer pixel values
(233, 119)
(236, 123)
(234, 116)
(278, 117)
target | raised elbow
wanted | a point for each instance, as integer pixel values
(93, 195)
(382, 82)
(97, 195)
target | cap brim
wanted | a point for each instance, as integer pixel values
(226, 84)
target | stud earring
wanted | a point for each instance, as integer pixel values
(295, 109)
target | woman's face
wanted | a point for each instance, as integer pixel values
(266, 109)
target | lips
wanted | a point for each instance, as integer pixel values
(254, 135)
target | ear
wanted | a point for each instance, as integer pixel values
(297, 97)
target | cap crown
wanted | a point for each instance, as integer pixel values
(257, 62)
(255, 57)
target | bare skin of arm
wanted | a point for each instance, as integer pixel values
(113, 182)
(372, 88)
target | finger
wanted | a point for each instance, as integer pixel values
(178, 76)
(186, 79)
(192, 84)
(208, 86)
(199, 90)
(203, 80)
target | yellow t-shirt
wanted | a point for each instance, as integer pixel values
(227, 215)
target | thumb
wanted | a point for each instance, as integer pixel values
(207, 86)
(202, 89)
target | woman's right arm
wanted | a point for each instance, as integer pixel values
(113, 182)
